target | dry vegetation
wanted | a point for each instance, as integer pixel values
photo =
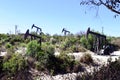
(15, 66)
(86, 58)
(116, 41)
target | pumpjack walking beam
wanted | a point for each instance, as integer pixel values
(94, 33)
(38, 29)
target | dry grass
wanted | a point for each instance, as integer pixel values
(116, 42)
(86, 58)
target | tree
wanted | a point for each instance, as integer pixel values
(113, 5)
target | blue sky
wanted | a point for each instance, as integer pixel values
(53, 15)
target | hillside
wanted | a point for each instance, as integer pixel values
(58, 56)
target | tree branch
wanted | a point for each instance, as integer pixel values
(113, 5)
(110, 7)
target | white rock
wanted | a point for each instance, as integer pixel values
(3, 53)
(57, 53)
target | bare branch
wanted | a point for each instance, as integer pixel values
(113, 5)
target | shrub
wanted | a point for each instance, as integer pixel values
(41, 54)
(48, 48)
(47, 61)
(63, 64)
(15, 38)
(111, 71)
(34, 51)
(23, 45)
(43, 59)
(86, 58)
(33, 48)
(14, 64)
(77, 48)
(27, 40)
(57, 38)
(10, 48)
(87, 42)
(8, 45)
(3, 36)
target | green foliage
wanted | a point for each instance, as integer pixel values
(14, 64)
(3, 38)
(44, 56)
(13, 39)
(87, 42)
(109, 39)
(9, 48)
(27, 41)
(40, 53)
(58, 38)
(23, 45)
(46, 37)
(53, 41)
(63, 64)
(71, 44)
(48, 47)
(33, 48)
(84, 42)
(77, 48)
(43, 59)
(8, 45)
(70, 41)
(38, 66)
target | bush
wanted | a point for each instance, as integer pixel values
(9, 48)
(86, 58)
(57, 38)
(48, 48)
(8, 45)
(111, 71)
(63, 64)
(3, 36)
(14, 64)
(15, 38)
(41, 54)
(47, 61)
(33, 48)
(71, 44)
(43, 59)
(86, 42)
(23, 45)
(77, 48)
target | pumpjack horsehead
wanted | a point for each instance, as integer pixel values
(33, 36)
(38, 29)
(65, 31)
(100, 40)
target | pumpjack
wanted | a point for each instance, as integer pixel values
(100, 43)
(33, 36)
(65, 31)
